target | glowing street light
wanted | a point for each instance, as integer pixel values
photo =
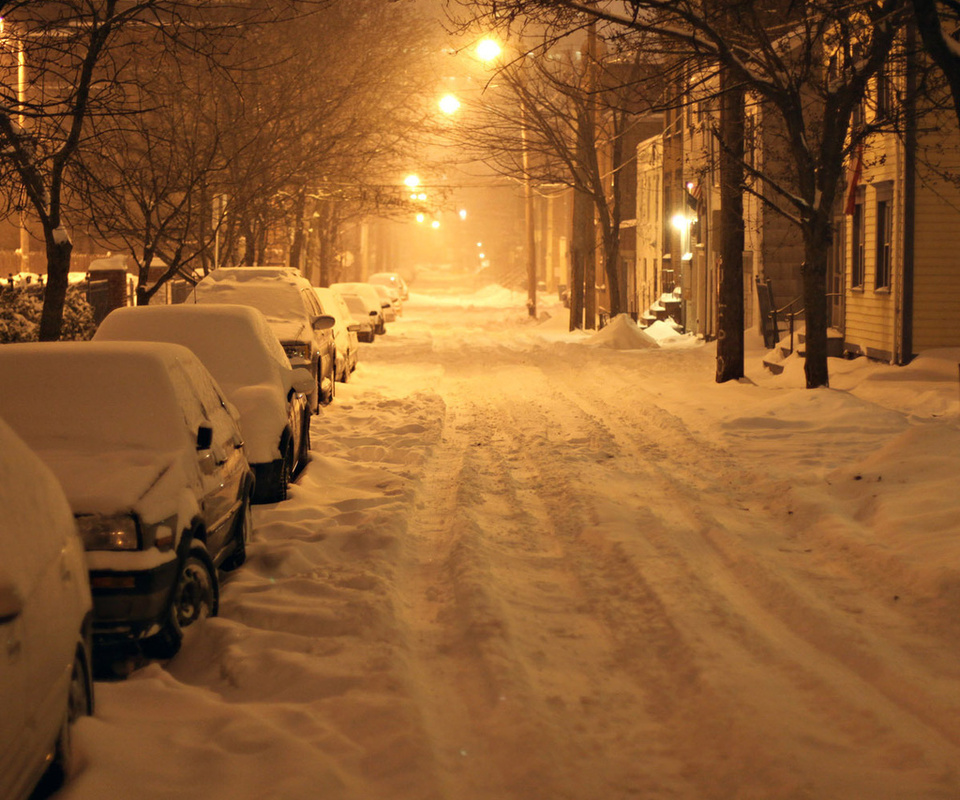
(435, 224)
(463, 213)
(449, 104)
(421, 217)
(411, 181)
(489, 50)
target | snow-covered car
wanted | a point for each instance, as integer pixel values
(370, 297)
(391, 280)
(245, 357)
(366, 319)
(150, 456)
(45, 623)
(390, 301)
(290, 305)
(344, 332)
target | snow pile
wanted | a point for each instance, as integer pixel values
(622, 333)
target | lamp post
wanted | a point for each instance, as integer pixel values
(488, 50)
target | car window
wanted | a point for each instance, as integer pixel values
(311, 302)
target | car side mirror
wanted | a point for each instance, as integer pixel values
(204, 437)
(11, 603)
(324, 322)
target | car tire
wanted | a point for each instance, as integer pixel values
(243, 531)
(326, 398)
(305, 444)
(195, 597)
(79, 704)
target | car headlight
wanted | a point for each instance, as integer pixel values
(119, 532)
(297, 350)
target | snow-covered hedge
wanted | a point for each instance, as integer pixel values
(20, 315)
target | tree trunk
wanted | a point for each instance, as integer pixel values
(55, 292)
(817, 236)
(581, 250)
(730, 315)
(297, 245)
(611, 264)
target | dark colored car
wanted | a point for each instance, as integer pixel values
(150, 456)
(288, 302)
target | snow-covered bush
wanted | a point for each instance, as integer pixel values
(20, 315)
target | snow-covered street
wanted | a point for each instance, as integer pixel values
(525, 564)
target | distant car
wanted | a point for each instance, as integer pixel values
(245, 357)
(45, 623)
(344, 332)
(150, 457)
(288, 302)
(391, 280)
(366, 318)
(370, 297)
(389, 300)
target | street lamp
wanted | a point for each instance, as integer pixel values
(412, 181)
(449, 104)
(489, 50)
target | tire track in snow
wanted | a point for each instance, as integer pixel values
(474, 697)
(856, 689)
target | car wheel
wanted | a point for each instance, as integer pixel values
(328, 395)
(243, 532)
(305, 444)
(195, 597)
(79, 704)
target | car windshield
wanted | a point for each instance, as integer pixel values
(233, 342)
(65, 397)
(277, 300)
(357, 307)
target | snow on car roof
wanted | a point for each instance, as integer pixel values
(275, 291)
(233, 341)
(78, 394)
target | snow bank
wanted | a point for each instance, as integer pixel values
(622, 333)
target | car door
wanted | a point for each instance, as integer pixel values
(36, 645)
(223, 465)
(324, 338)
(13, 681)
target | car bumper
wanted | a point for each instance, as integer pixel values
(131, 604)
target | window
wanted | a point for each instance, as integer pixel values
(884, 94)
(884, 236)
(858, 240)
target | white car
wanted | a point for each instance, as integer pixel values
(150, 456)
(290, 305)
(344, 332)
(371, 299)
(389, 300)
(391, 280)
(45, 623)
(245, 357)
(365, 318)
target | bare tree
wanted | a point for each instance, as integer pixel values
(809, 64)
(80, 60)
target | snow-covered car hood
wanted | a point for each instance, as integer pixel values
(263, 416)
(153, 484)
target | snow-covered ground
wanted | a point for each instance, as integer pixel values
(526, 564)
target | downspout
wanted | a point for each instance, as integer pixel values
(909, 197)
